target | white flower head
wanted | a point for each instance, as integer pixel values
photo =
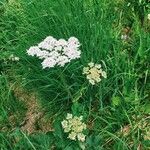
(85, 70)
(67, 129)
(64, 123)
(81, 137)
(98, 66)
(74, 126)
(73, 40)
(33, 51)
(94, 73)
(48, 62)
(56, 52)
(72, 136)
(58, 48)
(51, 40)
(91, 81)
(48, 43)
(72, 53)
(42, 54)
(45, 45)
(69, 116)
(61, 42)
(62, 60)
(91, 64)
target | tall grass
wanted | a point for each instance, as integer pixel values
(98, 25)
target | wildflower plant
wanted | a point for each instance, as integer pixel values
(13, 58)
(94, 73)
(55, 52)
(74, 126)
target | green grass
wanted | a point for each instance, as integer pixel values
(106, 107)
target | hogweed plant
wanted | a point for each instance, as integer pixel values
(56, 52)
(94, 73)
(74, 126)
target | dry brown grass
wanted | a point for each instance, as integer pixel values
(34, 120)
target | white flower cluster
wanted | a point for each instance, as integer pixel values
(56, 52)
(75, 127)
(94, 73)
(13, 58)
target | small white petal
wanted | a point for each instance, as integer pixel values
(91, 64)
(69, 116)
(92, 82)
(98, 66)
(72, 136)
(104, 74)
(81, 137)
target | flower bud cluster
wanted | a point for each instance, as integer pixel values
(94, 73)
(75, 127)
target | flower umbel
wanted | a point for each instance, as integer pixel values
(56, 52)
(94, 73)
(75, 127)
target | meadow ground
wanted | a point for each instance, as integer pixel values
(35, 101)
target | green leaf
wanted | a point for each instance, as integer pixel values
(76, 108)
(116, 101)
(93, 141)
(146, 108)
(78, 94)
(58, 129)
